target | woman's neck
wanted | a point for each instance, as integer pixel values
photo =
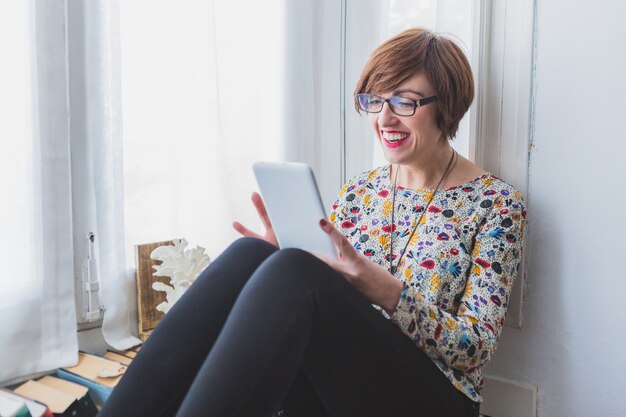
(426, 173)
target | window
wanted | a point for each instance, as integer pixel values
(202, 99)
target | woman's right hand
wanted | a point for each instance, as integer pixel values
(269, 235)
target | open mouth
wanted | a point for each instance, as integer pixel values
(394, 139)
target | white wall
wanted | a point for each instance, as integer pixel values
(573, 342)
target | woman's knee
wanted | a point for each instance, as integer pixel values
(292, 267)
(245, 252)
(296, 253)
(295, 259)
(251, 245)
(246, 249)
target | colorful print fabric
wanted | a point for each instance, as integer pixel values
(458, 269)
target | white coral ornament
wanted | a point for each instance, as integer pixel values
(182, 266)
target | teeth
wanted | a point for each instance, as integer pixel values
(395, 137)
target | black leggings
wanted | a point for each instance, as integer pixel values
(262, 328)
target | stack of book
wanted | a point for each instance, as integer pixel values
(14, 405)
(77, 391)
(48, 397)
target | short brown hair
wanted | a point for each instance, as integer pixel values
(440, 59)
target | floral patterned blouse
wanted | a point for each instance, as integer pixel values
(458, 268)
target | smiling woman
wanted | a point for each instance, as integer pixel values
(454, 18)
(429, 247)
(448, 70)
(434, 71)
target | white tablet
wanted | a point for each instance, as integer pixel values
(294, 205)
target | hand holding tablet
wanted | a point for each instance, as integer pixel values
(269, 235)
(294, 206)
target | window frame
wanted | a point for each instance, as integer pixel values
(502, 124)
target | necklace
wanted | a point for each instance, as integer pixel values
(392, 268)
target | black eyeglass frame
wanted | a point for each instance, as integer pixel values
(416, 103)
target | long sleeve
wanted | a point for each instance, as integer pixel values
(457, 267)
(467, 339)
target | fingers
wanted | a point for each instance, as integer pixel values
(344, 247)
(269, 236)
(243, 230)
(260, 208)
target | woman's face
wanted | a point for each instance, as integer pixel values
(418, 134)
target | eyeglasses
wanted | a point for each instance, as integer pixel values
(401, 106)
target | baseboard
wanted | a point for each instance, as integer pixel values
(507, 398)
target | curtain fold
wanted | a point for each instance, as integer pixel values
(37, 312)
(105, 133)
(97, 162)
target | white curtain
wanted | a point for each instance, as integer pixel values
(37, 313)
(202, 99)
(169, 114)
(97, 162)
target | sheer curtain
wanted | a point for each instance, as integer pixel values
(97, 161)
(171, 112)
(202, 99)
(37, 313)
(197, 91)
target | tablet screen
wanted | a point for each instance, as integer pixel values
(294, 205)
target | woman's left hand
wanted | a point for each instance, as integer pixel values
(372, 280)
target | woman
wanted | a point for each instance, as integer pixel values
(401, 324)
